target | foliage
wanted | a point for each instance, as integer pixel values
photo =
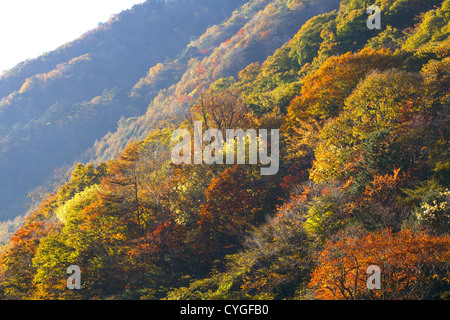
(363, 176)
(77, 93)
(414, 266)
(434, 216)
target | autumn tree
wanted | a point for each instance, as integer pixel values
(413, 266)
(82, 176)
(121, 189)
(377, 207)
(434, 215)
(17, 270)
(221, 107)
(93, 240)
(381, 102)
(323, 92)
(235, 200)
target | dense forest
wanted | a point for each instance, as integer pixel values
(364, 156)
(54, 107)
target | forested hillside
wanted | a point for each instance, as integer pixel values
(363, 176)
(250, 35)
(54, 107)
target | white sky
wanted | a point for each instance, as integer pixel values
(29, 28)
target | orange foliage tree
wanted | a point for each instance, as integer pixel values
(234, 200)
(413, 266)
(377, 207)
(16, 268)
(325, 90)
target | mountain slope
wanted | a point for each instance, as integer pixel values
(55, 106)
(250, 35)
(363, 175)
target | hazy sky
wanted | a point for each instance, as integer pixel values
(28, 28)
